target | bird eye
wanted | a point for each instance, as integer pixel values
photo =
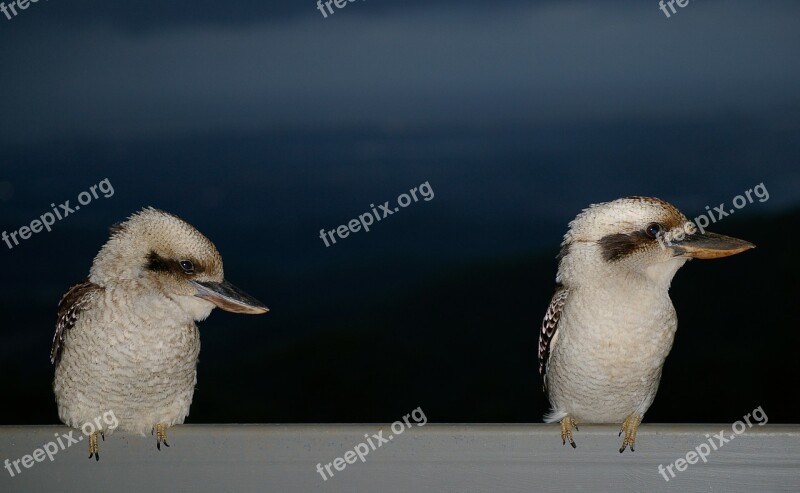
(187, 266)
(653, 229)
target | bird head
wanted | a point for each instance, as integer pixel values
(637, 236)
(161, 254)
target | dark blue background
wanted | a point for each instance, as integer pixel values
(262, 123)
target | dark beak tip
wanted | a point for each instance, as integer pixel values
(229, 298)
(746, 245)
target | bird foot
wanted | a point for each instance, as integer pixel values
(161, 435)
(567, 424)
(630, 426)
(94, 447)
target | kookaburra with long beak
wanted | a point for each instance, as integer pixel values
(611, 323)
(126, 340)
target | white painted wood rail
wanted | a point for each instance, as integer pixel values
(432, 458)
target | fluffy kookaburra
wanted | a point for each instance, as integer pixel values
(126, 340)
(611, 323)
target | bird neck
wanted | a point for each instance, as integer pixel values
(583, 269)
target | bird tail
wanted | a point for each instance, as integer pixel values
(554, 416)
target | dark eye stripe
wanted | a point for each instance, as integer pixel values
(157, 263)
(616, 246)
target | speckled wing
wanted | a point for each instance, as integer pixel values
(549, 328)
(78, 298)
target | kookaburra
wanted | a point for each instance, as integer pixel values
(611, 323)
(126, 340)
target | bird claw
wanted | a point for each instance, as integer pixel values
(630, 426)
(94, 449)
(567, 424)
(161, 435)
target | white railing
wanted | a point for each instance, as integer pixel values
(431, 458)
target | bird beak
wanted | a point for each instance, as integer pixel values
(228, 297)
(709, 245)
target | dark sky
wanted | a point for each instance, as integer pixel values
(524, 97)
(156, 69)
(261, 123)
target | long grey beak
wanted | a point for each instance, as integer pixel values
(709, 245)
(228, 297)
